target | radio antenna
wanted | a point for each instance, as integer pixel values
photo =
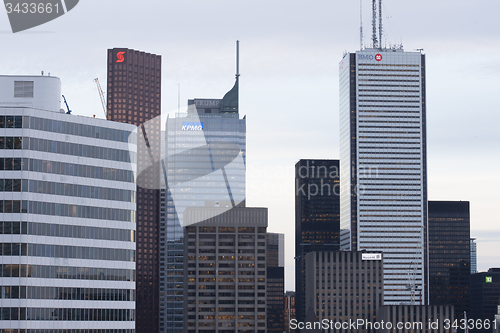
(374, 24)
(380, 23)
(360, 25)
(237, 59)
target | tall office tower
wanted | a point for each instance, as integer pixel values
(383, 177)
(449, 254)
(275, 282)
(473, 256)
(67, 215)
(316, 217)
(225, 270)
(344, 286)
(134, 97)
(485, 295)
(205, 163)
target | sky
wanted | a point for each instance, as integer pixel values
(289, 56)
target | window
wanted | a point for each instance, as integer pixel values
(23, 89)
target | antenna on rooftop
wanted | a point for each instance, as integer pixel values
(374, 24)
(360, 25)
(380, 23)
(237, 59)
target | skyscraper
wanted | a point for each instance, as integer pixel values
(67, 215)
(485, 296)
(134, 97)
(205, 163)
(225, 270)
(275, 282)
(316, 217)
(449, 254)
(383, 177)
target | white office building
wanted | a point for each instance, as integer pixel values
(67, 215)
(383, 165)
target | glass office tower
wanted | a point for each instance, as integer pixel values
(383, 177)
(67, 215)
(449, 254)
(204, 165)
(317, 216)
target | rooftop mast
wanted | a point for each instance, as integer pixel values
(237, 59)
(374, 24)
(380, 23)
(360, 25)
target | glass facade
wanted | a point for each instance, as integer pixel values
(317, 217)
(275, 282)
(383, 176)
(204, 165)
(485, 297)
(473, 256)
(67, 223)
(449, 254)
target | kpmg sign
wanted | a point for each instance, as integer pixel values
(189, 126)
(371, 256)
(377, 57)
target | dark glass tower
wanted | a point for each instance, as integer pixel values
(134, 97)
(485, 296)
(275, 283)
(317, 216)
(449, 254)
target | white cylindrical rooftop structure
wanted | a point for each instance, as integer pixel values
(37, 92)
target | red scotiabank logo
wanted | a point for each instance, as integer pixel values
(120, 57)
(378, 57)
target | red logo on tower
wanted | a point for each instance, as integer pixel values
(120, 57)
(378, 57)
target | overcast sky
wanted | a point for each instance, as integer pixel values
(290, 52)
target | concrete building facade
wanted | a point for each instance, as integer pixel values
(225, 270)
(343, 286)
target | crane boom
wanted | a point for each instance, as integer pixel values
(101, 95)
(67, 106)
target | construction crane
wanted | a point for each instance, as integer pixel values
(411, 286)
(67, 106)
(101, 95)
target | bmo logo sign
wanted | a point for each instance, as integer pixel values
(377, 57)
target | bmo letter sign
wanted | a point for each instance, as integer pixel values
(371, 256)
(192, 126)
(377, 57)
